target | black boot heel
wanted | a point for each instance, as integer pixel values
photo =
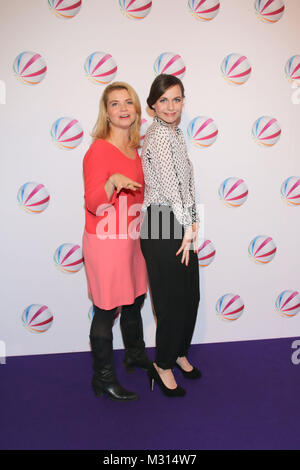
(104, 379)
(113, 390)
(96, 388)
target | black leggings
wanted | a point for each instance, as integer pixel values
(103, 320)
(174, 286)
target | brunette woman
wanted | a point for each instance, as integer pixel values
(169, 235)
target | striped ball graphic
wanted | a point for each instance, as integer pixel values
(262, 249)
(68, 258)
(206, 253)
(233, 192)
(236, 69)
(204, 10)
(290, 190)
(202, 131)
(100, 67)
(33, 197)
(30, 68)
(269, 11)
(65, 9)
(171, 64)
(229, 307)
(288, 303)
(66, 133)
(292, 69)
(37, 318)
(135, 9)
(266, 131)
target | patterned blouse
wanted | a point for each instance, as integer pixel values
(168, 172)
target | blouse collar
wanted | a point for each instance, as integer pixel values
(163, 123)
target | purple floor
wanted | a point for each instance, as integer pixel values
(248, 398)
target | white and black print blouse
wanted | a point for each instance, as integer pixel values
(168, 172)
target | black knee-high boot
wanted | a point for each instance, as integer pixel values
(104, 379)
(132, 331)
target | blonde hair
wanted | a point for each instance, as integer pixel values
(101, 129)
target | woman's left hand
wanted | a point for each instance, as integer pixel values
(190, 237)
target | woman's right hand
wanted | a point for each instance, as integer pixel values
(120, 182)
(190, 239)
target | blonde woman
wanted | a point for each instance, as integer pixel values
(115, 267)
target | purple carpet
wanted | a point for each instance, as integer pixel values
(248, 398)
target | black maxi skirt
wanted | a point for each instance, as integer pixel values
(174, 286)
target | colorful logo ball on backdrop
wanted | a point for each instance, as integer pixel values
(266, 131)
(269, 11)
(262, 249)
(202, 131)
(66, 133)
(233, 192)
(206, 253)
(171, 64)
(33, 197)
(92, 312)
(37, 318)
(100, 67)
(290, 190)
(135, 9)
(229, 307)
(68, 258)
(30, 67)
(292, 69)
(204, 10)
(288, 303)
(65, 9)
(236, 69)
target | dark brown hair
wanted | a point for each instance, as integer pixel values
(160, 85)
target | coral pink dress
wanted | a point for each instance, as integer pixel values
(115, 267)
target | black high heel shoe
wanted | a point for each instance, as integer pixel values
(192, 374)
(154, 376)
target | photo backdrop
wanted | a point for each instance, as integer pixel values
(239, 61)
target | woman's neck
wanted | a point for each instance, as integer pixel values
(172, 126)
(119, 137)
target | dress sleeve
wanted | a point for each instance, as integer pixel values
(96, 172)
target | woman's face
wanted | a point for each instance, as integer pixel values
(169, 106)
(120, 110)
